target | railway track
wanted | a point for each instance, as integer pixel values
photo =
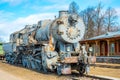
(91, 77)
(98, 77)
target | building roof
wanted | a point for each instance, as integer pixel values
(107, 35)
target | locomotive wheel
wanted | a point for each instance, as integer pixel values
(45, 70)
(24, 63)
(38, 65)
(44, 67)
(81, 68)
(28, 64)
(10, 58)
(59, 70)
(81, 71)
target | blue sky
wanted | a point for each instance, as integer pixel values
(15, 14)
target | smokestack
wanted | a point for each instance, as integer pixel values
(63, 13)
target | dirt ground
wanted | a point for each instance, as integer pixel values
(7, 76)
(112, 72)
(26, 74)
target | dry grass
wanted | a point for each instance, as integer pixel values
(110, 64)
(105, 72)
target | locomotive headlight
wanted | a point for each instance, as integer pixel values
(68, 48)
(58, 64)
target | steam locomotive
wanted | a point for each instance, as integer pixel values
(50, 45)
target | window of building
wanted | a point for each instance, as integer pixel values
(112, 48)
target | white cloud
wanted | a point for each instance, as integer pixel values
(50, 7)
(105, 1)
(60, 2)
(118, 11)
(13, 2)
(6, 28)
(4, 16)
(6, 1)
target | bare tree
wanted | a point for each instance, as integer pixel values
(99, 18)
(93, 18)
(97, 21)
(1, 40)
(73, 8)
(110, 18)
(88, 18)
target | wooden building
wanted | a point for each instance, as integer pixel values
(1, 52)
(104, 45)
(1, 49)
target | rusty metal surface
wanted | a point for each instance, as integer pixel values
(66, 71)
(70, 60)
(93, 59)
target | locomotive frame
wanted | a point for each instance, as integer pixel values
(50, 45)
